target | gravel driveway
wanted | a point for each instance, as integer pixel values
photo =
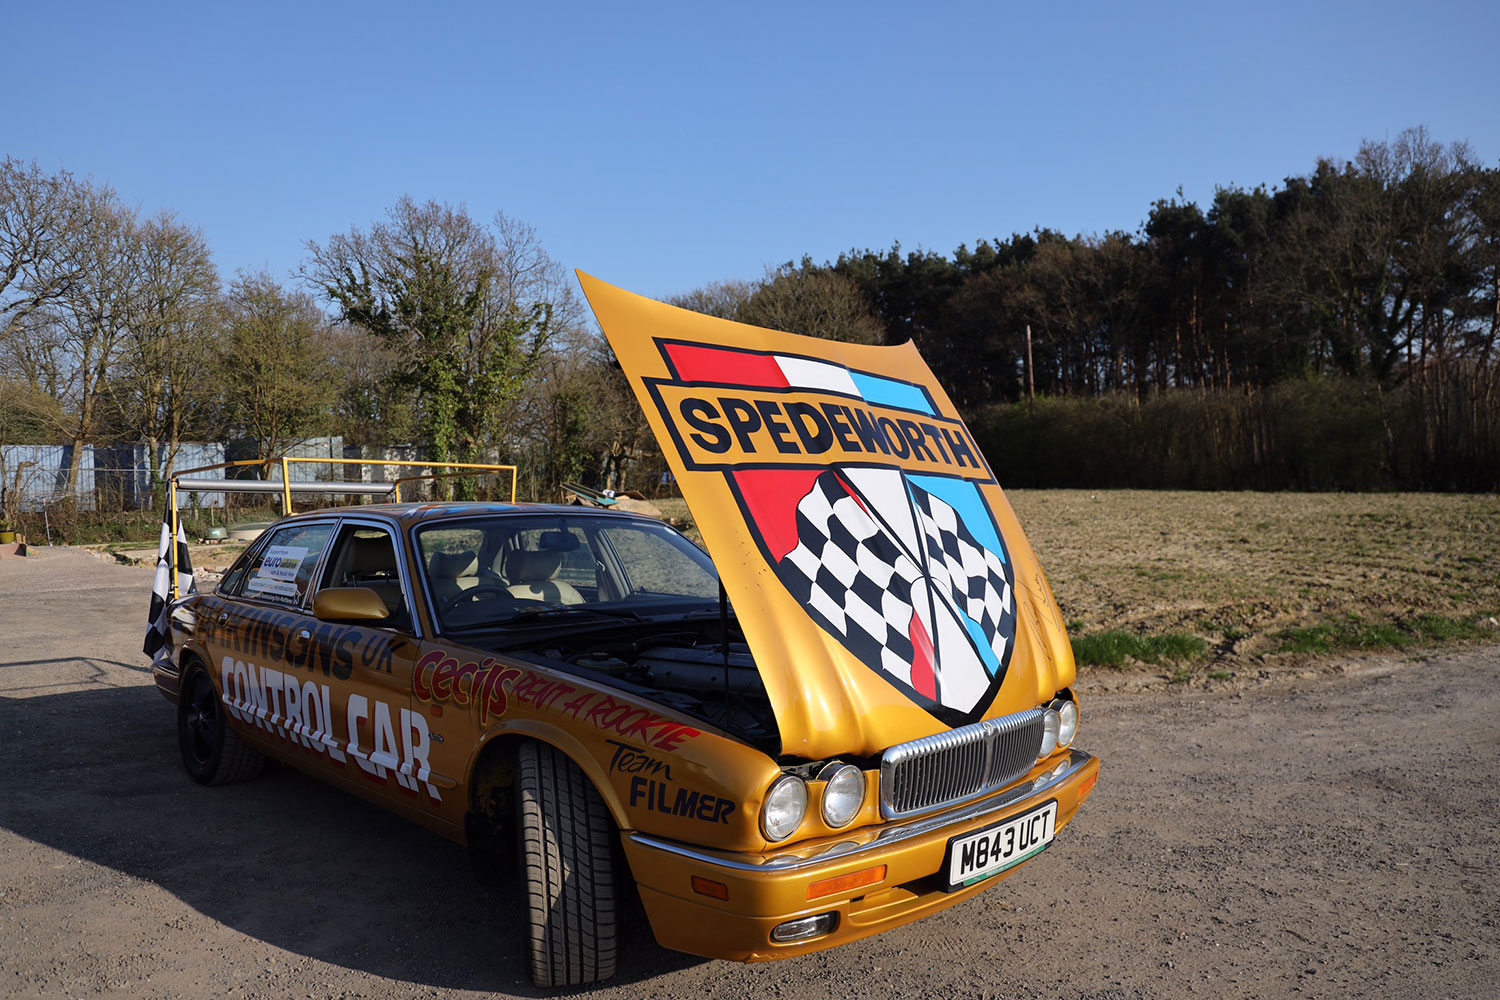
(1312, 836)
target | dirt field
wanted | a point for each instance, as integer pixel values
(1323, 835)
(1238, 570)
(1234, 569)
(1255, 562)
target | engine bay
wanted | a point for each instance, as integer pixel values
(682, 667)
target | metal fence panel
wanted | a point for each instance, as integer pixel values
(34, 475)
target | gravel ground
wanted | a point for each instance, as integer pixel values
(1328, 833)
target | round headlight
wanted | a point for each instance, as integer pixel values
(785, 805)
(1067, 721)
(1050, 725)
(844, 793)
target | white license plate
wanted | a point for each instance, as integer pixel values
(991, 851)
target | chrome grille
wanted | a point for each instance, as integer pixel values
(965, 763)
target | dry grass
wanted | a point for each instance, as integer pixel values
(1204, 578)
(1257, 573)
(1248, 571)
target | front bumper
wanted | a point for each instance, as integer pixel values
(766, 890)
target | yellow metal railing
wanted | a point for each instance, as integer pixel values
(472, 468)
(286, 481)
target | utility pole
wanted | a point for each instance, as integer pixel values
(1030, 377)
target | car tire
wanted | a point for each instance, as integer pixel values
(211, 751)
(566, 847)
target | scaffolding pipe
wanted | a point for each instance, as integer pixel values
(196, 485)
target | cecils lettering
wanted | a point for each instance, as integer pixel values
(497, 688)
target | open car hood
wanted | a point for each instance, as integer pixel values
(881, 579)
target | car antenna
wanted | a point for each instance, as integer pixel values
(724, 635)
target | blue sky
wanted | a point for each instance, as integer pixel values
(662, 146)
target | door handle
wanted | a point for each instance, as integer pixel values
(298, 640)
(223, 618)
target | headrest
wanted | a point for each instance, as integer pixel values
(372, 555)
(525, 566)
(557, 541)
(451, 565)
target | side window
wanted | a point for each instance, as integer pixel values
(655, 565)
(365, 556)
(282, 571)
(235, 578)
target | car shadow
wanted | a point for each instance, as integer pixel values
(285, 859)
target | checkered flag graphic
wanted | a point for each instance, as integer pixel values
(976, 579)
(158, 624)
(856, 577)
(853, 575)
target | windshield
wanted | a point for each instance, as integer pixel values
(498, 570)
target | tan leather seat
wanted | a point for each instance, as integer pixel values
(531, 574)
(452, 573)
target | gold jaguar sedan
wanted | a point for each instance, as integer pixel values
(853, 710)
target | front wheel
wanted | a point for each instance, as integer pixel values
(212, 753)
(567, 862)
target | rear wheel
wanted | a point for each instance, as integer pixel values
(211, 751)
(567, 861)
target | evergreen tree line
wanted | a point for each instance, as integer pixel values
(1337, 331)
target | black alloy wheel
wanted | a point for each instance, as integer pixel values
(211, 751)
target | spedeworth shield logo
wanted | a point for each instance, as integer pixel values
(863, 497)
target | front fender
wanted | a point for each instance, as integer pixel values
(658, 771)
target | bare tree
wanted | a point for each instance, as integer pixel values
(163, 384)
(92, 316)
(723, 299)
(370, 408)
(42, 219)
(812, 301)
(274, 363)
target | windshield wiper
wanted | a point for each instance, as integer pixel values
(568, 610)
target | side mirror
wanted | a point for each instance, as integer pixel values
(349, 604)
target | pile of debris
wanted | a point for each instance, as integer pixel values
(632, 501)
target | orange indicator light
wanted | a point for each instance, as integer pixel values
(1087, 786)
(845, 883)
(708, 887)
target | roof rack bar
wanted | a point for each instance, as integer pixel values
(180, 480)
(205, 485)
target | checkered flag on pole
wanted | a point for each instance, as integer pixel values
(159, 625)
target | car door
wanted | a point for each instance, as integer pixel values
(363, 669)
(256, 643)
